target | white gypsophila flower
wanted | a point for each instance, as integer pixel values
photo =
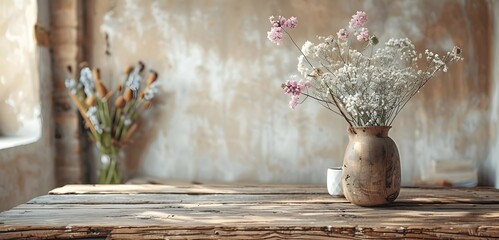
(92, 116)
(351, 103)
(305, 49)
(372, 88)
(134, 80)
(105, 159)
(148, 95)
(91, 111)
(302, 67)
(87, 80)
(151, 91)
(127, 122)
(71, 85)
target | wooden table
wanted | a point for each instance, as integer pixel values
(225, 211)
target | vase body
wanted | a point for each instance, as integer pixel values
(371, 167)
(109, 166)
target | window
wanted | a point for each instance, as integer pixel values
(20, 115)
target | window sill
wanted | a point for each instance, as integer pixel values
(14, 141)
(30, 133)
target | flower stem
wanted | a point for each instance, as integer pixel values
(299, 49)
(339, 108)
(110, 173)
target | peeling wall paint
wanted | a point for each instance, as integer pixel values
(221, 115)
(26, 171)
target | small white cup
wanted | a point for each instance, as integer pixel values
(334, 186)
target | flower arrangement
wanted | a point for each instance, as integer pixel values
(110, 116)
(349, 75)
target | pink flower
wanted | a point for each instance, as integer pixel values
(290, 23)
(282, 21)
(273, 21)
(277, 30)
(294, 102)
(275, 35)
(343, 34)
(291, 87)
(358, 20)
(294, 89)
(363, 35)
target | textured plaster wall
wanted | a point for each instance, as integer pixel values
(25, 171)
(221, 115)
(492, 163)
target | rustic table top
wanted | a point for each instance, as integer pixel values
(248, 211)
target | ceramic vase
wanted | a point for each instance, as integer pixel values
(371, 167)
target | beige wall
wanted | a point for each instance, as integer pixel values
(221, 115)
(25, 171)
(492, 163)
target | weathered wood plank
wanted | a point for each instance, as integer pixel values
(406, 196)
(478, 195)
(250, 214)
(190, 189)
(51, 232)
(252, 232)
(291, 232)
(177, 198)
(222, 212)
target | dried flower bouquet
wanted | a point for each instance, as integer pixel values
(347, 74)
(110, 115)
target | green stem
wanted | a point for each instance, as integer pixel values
(134, 110)
(119, 130)
(110, 170)
(102, 175)
(110, 173)
(130, 105)
(107, 118)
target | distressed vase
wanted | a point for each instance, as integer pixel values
(371, 167)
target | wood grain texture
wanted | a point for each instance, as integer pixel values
(248, 211)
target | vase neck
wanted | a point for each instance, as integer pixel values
(379, 131)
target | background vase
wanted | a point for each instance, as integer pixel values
(110, 167)
(371, 167)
